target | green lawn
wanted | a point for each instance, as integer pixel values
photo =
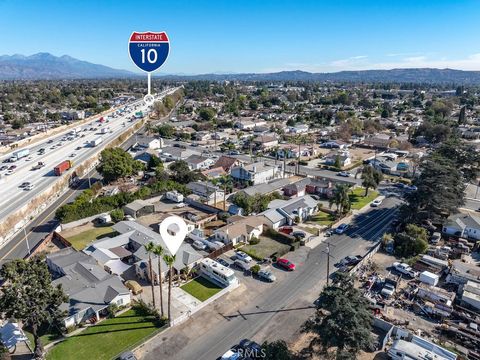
(201, 288)
(322, 218)
(265, 248)
(106, 339)
(358, 200)
(46, 337)
(80, 241)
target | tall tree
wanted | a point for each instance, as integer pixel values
(116, 163)
(227, 182)
(159, 251)
(462, 119)
(169, 260)
(342, 320)
(29, 296)
(371, 177)
(150, 248)
(340, 198)
(277, 350)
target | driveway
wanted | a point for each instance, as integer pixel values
(268, 311)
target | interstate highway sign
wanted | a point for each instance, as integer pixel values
(149, 50)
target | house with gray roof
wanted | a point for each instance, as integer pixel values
(256, 173)
(463, 225)
(285, 212)
(138, 208)
(90, 289)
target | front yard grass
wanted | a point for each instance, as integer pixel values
(201, 288)
(80, 241)
(106, 339)
(321, 218)
(265, 248)
(358, 200)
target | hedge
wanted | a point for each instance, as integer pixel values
(279, 236)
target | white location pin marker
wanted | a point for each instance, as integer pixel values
(173, 231)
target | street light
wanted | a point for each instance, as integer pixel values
(328, 260)
(26, 239)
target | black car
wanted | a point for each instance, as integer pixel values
(223, 262)
(251, 349)
(4, 167)
(298, 234)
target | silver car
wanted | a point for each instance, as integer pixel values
(267, 275)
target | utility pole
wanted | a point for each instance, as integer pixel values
(327, 251)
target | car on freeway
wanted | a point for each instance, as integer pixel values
(298, 234)
(9, 172)
(267, 275)
(344, 174)
(73, 155)
(240, 255)
(4, 167)
(376, 203)
(242, 265)
(197, 244)
(222, 262)
(12, 167)
(79, 148)
(29, 187)
(22, 185)
(341, 228)
(349, 260)
(286, 264)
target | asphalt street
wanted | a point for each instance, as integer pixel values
(279, 309)
(13, 197)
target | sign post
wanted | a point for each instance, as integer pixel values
(148, 51)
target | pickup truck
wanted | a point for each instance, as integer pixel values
(405, 269)
(38, 166)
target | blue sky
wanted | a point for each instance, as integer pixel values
(252, 36)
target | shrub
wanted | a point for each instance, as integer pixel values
(117, 215)
(254, 241)
(71, 328)
(279, 236)
(112, 309)
(255, 269)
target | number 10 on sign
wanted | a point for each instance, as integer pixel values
(148, 51)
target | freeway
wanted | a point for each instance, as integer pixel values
(58, 149)
(279, 310)
(18, 247)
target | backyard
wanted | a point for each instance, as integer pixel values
(265, 248)
(106, 339)
(201, 288)
(358, 200)
(80, 240)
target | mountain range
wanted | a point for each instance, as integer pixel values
(50, 67)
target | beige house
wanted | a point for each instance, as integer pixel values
(242, 230)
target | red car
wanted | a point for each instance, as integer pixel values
(287, 265)
(286, 230)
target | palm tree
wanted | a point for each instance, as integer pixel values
(150, 248)
(227, 183)
(169, 260)
(159, 251)
(214, 182)
(371, 177)
(299, 140)
(340, 198)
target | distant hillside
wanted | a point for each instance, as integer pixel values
(48, 66)
(439, 76)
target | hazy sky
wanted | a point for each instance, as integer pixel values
(252, 36)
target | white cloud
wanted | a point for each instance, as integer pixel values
(363, 62)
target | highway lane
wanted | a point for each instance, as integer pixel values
(280, 310)
(12, 197)
(45, 222)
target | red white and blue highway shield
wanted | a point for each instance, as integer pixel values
(149, 50)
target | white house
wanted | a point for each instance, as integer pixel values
(298, 129)
(285, 212)
(198, 162)
(463, 225)
(242, 230)
(256, 173)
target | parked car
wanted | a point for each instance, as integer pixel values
(242, 265)
(267, 275)
(376, 203)
(231, 354)
(344, 173)
(134, 287)
(341, 228)
(180, 205)
(240, 255)
(286, 264)
(405, 269)
(349, 260)
(254, 349)
(197, 244)
(388, 290)
(435, 238)
(298, 234)
(127, 355)
(222, 261)
(286, 230)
